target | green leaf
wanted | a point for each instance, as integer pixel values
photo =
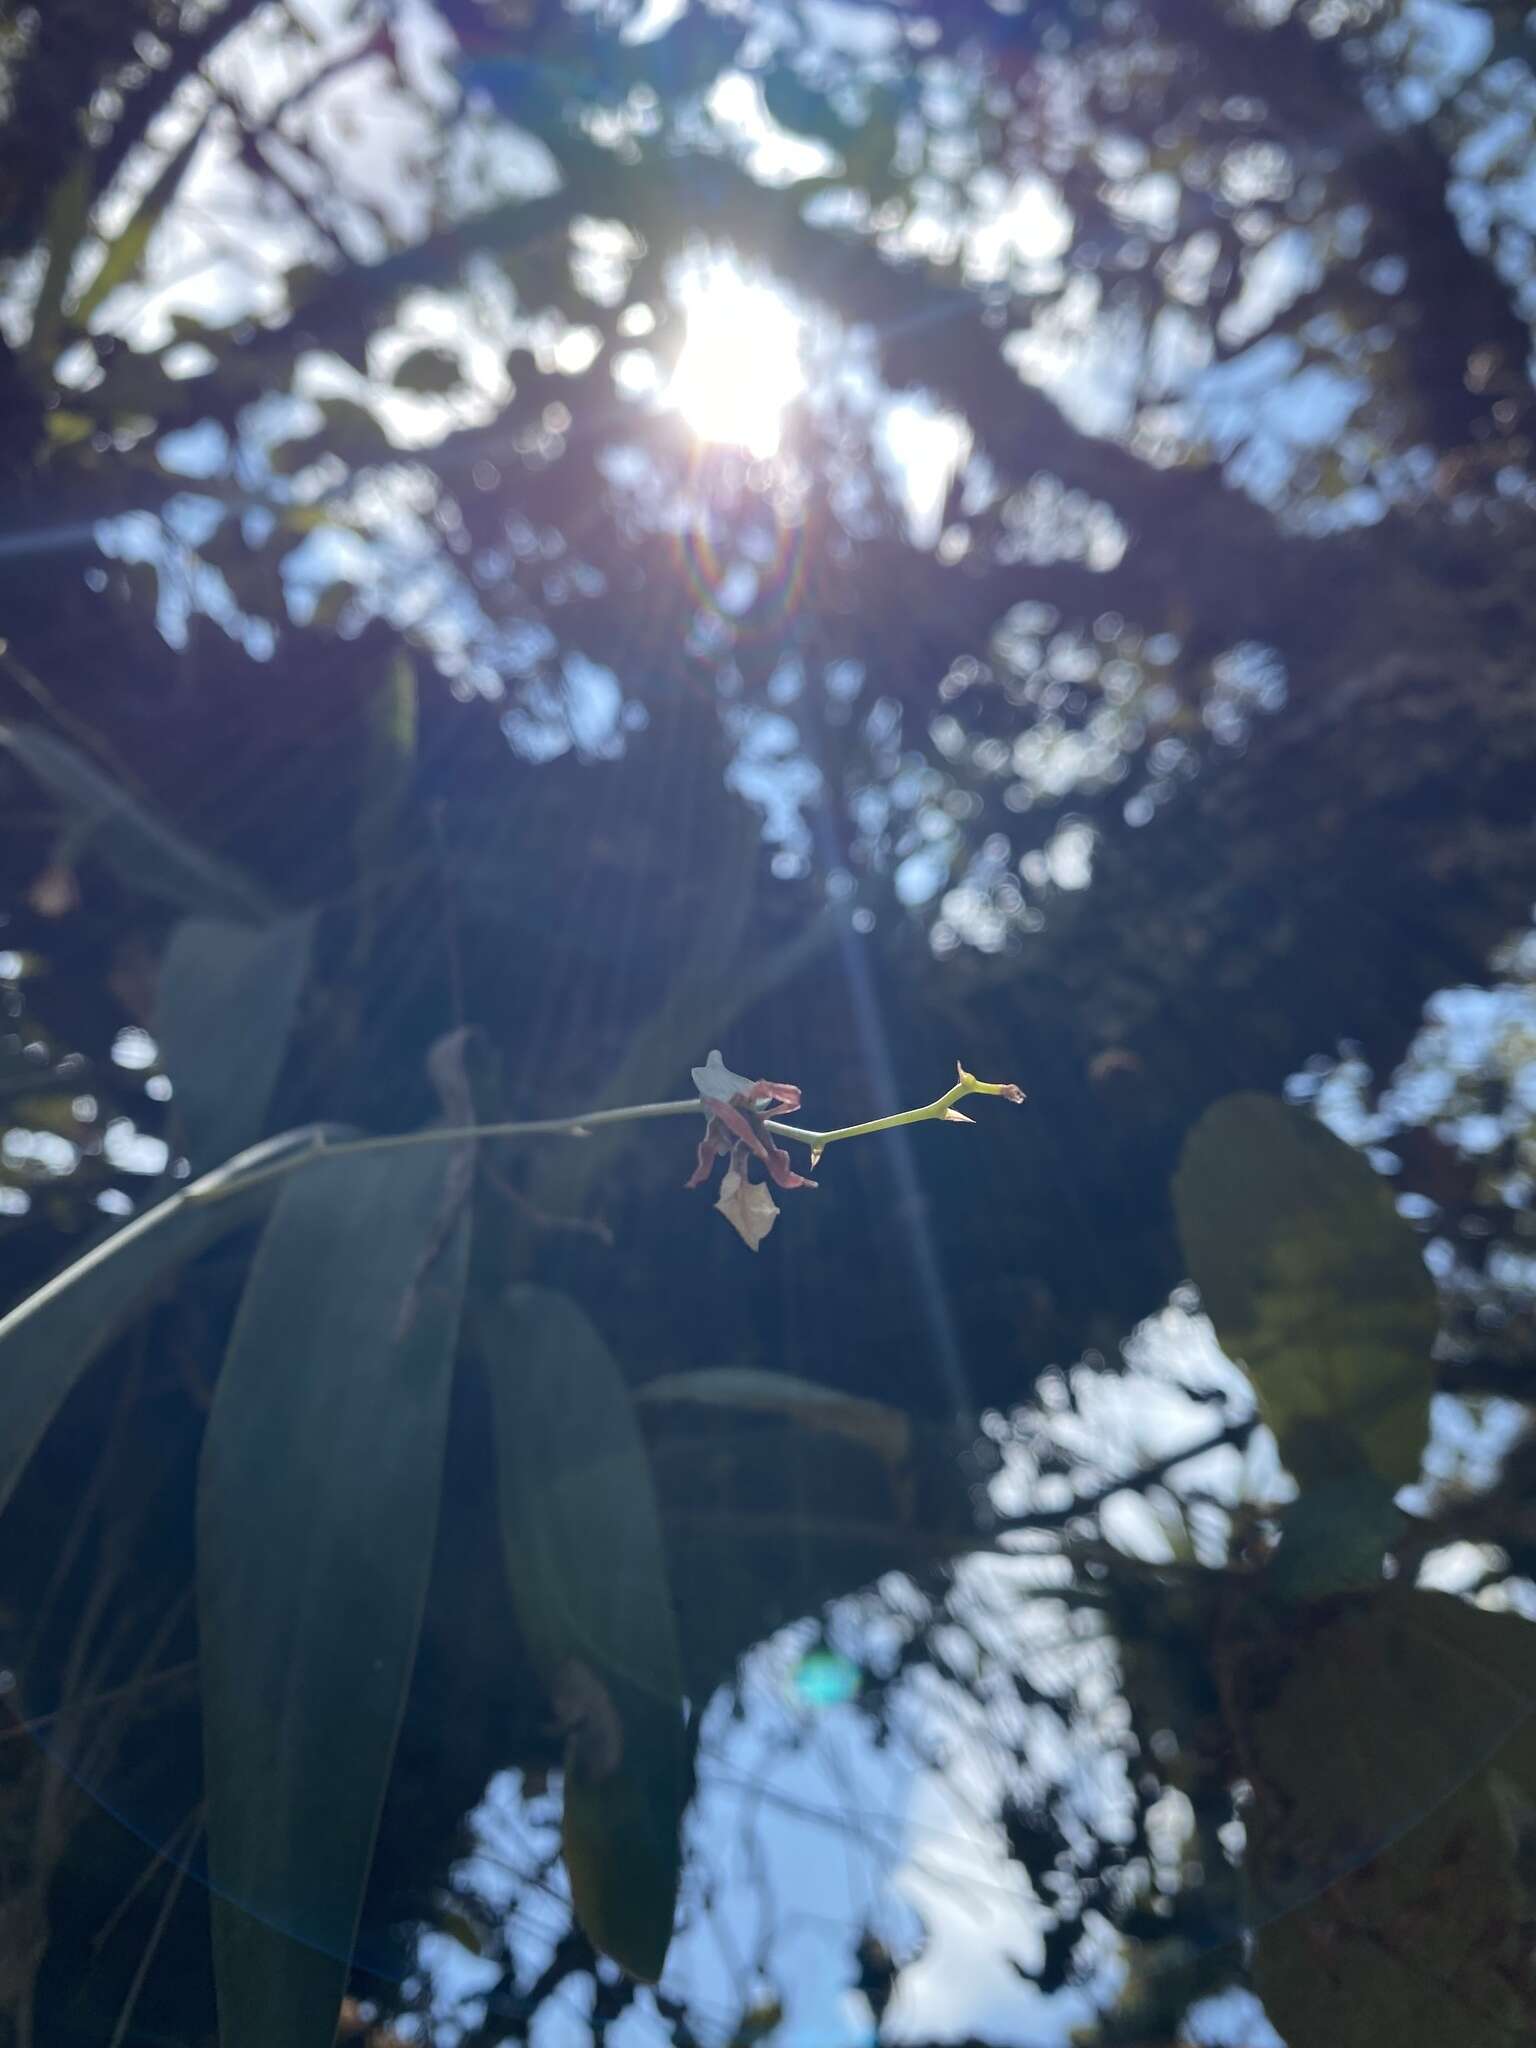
(390, 717)
(387, 761)
(354, 433)
(461, 1928)
(317, 1514)
(144, 851)
(773, 1507)
(1314, 1284)
(49, 1339)
(804, 111)
(1391, 1744)
(227, 1001)
(66, 429)
(394, 716)
(433, 371)
(884, 1429)
(589, 1579)
(1335, 1533)
(126, 251)
(288, 458)
(68, 212)
(330, 604)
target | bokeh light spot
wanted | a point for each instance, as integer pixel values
(825, 1678)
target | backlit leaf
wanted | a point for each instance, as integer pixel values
(126, 251)
(1391, 1744)
(69, 210)
(1314, 1284)
(433, 371)
(48, 1340)
(147, 853)
(807, 1403)
(390, 721)
(227, 1000)
(589, 1578)
(353, 432)
(317, 1514)
(776, 1500)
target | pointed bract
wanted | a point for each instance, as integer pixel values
(747, 1206)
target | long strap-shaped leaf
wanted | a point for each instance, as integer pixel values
(51, 1337)
(142, 848)
(229, 993)
(317, 1510)
(125, 253)
(589, 1579)
(69, 211)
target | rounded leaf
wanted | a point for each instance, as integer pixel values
(1315, 1285)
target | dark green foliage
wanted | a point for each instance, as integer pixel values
(432, 370)
(104, 818)
(588, 1572)
(1390, 1856)
(49, 1339)
(227, 1002)
(317, 1510)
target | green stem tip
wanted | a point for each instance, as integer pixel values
(941, 1111)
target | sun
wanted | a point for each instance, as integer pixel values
(740, 364)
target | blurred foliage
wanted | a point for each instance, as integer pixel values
(1117, 674)
(1390, 1861)
(1313, 1284)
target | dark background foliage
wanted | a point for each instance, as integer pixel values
(1182, 745)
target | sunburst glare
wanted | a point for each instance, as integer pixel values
(741, 362)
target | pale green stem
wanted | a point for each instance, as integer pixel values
(581, 1127)
(933, 1111)
(442, 1134)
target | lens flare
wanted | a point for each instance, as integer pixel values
(825, 1678)
(777, 583)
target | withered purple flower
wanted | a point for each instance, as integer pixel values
(736, 1108)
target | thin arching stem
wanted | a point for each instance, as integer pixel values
(436, 1134)
(232, 1181)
